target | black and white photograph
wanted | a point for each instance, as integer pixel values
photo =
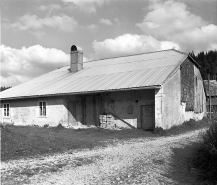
(108, 92)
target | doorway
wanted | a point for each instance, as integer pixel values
(148, 117)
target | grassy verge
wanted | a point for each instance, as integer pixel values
(184, 128)
(204, 158)
(19, 141)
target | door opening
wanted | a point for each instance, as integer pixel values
(148, 117)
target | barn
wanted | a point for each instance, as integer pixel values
(148, 90)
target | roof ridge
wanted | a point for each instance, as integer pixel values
(127, 62)
(182, 52)
(125, 71)
(135, 55)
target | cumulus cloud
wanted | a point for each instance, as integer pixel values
(88, 6)
(20, 65)
(50, 7)
(172, 21)
(106, 22)
(169, 24)
(33, 22)
(92, 27)
(130, 44)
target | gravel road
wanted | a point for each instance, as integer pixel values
(138, 161)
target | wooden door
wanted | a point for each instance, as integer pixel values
(148, 117)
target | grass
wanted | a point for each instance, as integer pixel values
(205, 155)
(20, 141)
(184, 128)
(25, 141)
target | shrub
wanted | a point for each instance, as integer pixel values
(59, 126)
(159, 130)
(183, 128)
(205, 157)
(4, 127)
(46, 125)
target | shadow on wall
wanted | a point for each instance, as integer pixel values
(34, 102)
(120, 108)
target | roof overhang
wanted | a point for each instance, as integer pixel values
(82, 93)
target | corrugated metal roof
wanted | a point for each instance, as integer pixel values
(146, 70)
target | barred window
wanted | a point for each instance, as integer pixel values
(42, 108)
(6, 109)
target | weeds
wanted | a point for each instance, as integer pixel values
(205, 156)
(46, 125)
(29, 141)
(185, 127)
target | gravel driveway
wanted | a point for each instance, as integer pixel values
(138, 161)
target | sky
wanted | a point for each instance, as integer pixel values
(36, 35)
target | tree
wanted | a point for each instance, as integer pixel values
(4, 88)
(208, 63)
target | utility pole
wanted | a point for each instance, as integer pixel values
(209, 98)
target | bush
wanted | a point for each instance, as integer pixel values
(59, 126)
(205, 157)
(46, 125)
(159, 130)
(183, 128)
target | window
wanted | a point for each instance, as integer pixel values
(42, 108)
(6, 109)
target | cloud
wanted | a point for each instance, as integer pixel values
(37, 33)
(92, 27)
(50, 8)
(174, 22)
(20, 65)
(130, 44)
(106, 22)
(88, 6)
(32, 22)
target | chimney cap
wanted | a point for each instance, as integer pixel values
(74, 48)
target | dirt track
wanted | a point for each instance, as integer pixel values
(138, 161)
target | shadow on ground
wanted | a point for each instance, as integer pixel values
(181, 170)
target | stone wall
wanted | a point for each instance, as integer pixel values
(187, 84)
(26, 112)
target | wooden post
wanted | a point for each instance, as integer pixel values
(209, 98)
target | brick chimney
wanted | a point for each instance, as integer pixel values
(76, 59)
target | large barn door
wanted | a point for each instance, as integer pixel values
(148, 117)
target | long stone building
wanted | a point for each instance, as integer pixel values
(148, 90)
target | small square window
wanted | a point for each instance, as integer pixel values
(6, 109)
(42, 108)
